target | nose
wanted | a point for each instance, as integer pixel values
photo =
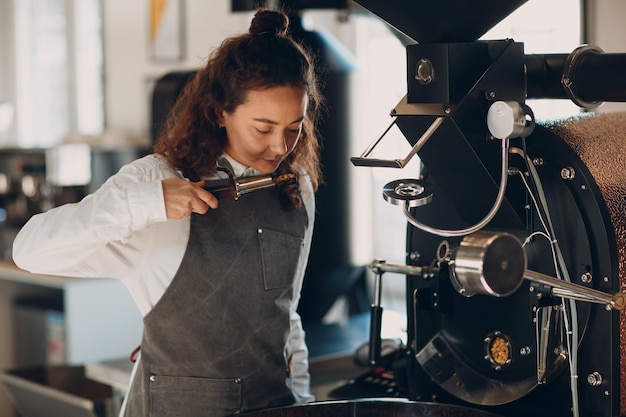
(278, 143)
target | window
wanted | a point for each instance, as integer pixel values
(544, 28)
(58, 70)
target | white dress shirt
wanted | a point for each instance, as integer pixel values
(121, 231)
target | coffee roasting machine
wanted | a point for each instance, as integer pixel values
(516, 246)
(516, 243)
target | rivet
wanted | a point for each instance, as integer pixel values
(152, 378)
(568, 173)
(594, 379)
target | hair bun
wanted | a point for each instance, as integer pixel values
(269, 21)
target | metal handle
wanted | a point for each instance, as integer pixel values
(375, 338)
(567, 289)
(236, 187)
(363, 160)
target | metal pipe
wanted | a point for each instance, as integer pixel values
(379, 267)
(571, 290)
(587, 76)
(236, 187)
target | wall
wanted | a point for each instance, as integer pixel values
(7, 71)
(129, 70)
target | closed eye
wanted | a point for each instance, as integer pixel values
(297, 129)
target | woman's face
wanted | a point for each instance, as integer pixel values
(263, 130)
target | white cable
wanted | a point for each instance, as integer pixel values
(496, 206)
(571, 326)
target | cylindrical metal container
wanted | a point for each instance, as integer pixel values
(600, 142)
(489, 263)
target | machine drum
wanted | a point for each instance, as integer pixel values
(371, 408)
(495, 338)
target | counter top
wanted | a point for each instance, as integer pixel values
(10, 272)
(115, 373)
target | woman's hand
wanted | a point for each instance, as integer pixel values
(183, 197)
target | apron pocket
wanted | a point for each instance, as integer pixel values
(280, 254)
(191, 396)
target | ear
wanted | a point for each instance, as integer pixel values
(219, 115)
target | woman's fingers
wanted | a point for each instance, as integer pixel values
(183, 197)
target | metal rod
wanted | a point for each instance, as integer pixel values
(379, 266)
(571, 290)
(378, 289)
(372, 145)
(563, 293)
(422, 140)
(395, 163)
(376, 312)
(250, 184)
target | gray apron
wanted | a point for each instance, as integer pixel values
(217, 342)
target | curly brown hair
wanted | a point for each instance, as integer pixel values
(265, 57)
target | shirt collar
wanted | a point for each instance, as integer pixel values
(239, 169)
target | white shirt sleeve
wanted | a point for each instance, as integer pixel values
(55, 242)
(300, 363)
(300, 353)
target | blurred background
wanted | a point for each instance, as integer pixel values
(84, 84)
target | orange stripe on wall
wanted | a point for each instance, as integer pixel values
(156, 14)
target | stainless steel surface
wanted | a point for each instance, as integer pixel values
(236, 187)
(489, 263)
(409, 192)
(378, 267)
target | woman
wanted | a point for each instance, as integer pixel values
(217, 282)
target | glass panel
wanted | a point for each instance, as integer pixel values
(89, 67)
(59, 63)
(41, 57)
